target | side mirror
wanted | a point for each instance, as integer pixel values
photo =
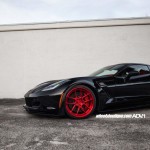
(133, 73)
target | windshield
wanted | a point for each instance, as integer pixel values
(109, 70)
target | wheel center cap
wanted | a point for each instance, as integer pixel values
(79, 101)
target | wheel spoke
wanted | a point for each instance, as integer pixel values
(82, 109)
(78, 110)
(86, 95)
(88, 100)
(70, 103)
(71, 97)
(73, 107)
(86, 106)
(76, 94)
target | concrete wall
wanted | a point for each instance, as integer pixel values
(34, 53)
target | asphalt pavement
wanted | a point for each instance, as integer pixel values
(20, 130)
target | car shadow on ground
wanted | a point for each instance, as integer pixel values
(142, 110)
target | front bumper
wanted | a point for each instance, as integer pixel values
(43, 104)
(40, 110)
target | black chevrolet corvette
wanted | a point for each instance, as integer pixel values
(110, 88)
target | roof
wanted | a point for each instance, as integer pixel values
(131, 64)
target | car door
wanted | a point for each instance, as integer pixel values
(136, 89)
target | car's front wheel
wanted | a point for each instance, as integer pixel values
(80, 102)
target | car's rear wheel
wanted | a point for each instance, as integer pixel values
(80, 102)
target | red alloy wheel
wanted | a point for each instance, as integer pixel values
(80, 102)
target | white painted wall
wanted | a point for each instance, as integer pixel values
(31, 54)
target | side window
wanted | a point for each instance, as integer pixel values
(142, 69)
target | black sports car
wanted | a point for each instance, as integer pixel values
(110, 88)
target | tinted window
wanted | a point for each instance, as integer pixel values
(109, 70)
(142, 69)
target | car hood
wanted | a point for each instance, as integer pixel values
(44, 84)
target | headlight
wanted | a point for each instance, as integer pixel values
(54, 85)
